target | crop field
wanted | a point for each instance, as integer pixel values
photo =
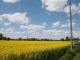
(32, 50)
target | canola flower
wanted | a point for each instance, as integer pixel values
(19, 47)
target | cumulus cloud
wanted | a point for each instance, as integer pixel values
(60, 6)
(6, 24)
(73, 24)
(34, 33)
(79, 8)
(34, 30)
(10, 1)
(68, 24)
(64, 25)
(10, 32)
(32, 27)
(19, 32)
(1, 20)
(54, 5)
(48, 13)
(9, 29)
(54, 33)
(56, 24)
(44, 23)
(17, 17)
(74, 9)
(1, 30)
(60, 33)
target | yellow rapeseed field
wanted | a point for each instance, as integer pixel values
(19, 47)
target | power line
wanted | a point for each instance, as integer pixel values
(75, 13)
(76, 16)
(69, 1)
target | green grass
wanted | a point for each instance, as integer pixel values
(77, 51)
(77, 57)
(68, 56)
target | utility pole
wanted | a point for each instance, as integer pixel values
(71, 43)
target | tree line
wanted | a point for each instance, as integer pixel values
(68, 39)
(2, 37)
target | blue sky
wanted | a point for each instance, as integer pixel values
(38, 18)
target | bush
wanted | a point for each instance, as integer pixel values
(77, 48)
(67, 56)
(62, 39)
(77, 57)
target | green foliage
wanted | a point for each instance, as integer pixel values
(77, 57)
(67, 38)
(67, 56)
(77, 51)
(1, 36)
(77, 48)
(62, 39)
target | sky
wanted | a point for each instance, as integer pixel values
(38, 18)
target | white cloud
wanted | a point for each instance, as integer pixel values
(64, 25)
(19, 32)
(73, 24)
(34, 30)
(10, 1)
(56, 33)
(10, 32)
(6, 24)
(48, 13)
(68, 24)
(17, 18)
(34, 33)
(1, 20)
(54, 5)
(32, 27)
(47, 31)
(1, 30)
(44, 23)
(52, 34)
(9, 29)
(79, 8)
(74, 9)
(56, 24)
(60, 6)
(60, 33)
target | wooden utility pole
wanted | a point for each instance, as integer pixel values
(71, 45)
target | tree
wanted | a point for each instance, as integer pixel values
(8, 38)
(1, 36)
(4, 38)
(67, 38)
(62, 39)
(20, 38)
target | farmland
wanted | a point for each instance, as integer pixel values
(32, 50)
